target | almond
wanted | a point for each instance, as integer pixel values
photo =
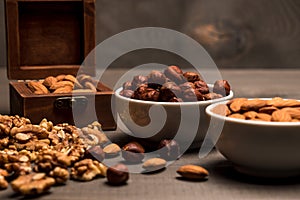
(71, 78)
(91, 86)
(250, 114)
(112, 149)
(61, 90)
(154, 164)
(280, 103)
(268, 109)
(60, 77)
(82, 90)
(253, 104)
(193, 172)
(235, 104)
(295, 120)
(61, 84)
(221, 109)
(237, 116)
(281, 116)
(37, 87)
(264, 117)
(49, 81)
(294, 112)
(82, 78)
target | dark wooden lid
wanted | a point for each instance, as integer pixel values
(49, 37)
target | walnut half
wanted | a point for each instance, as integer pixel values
(32, 184)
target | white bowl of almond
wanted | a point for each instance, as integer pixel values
(261, 136)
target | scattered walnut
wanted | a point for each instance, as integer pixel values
(21, 168)
(31, 184)
(87, 169)
(61, 175)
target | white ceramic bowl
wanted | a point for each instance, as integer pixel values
(266, 149)
(162, 120)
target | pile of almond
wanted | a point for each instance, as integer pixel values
(275, 109)
(63, 84)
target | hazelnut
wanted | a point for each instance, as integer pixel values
(175, 74)
(157, 77)
(168, 91)
(150, 95)
(191, 76)
(117, 175)
(192, 95)
(175, 99)
(155, 86)
(169, 149)
(139, 80)
(222, 87)
(212, 95)
(139, 91)
(127, 85)
(186, 85)
(127, 93)
(133, 152)
(201, 86)
(95, 152)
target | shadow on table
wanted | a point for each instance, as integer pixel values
(224, 169)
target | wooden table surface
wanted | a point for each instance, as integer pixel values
(223, 183)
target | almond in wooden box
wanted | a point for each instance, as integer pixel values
(52, 38)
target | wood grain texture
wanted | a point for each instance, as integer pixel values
(236, 33)
(55, 34)
(247, 33)
(259, 33)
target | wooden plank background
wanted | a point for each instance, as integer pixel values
(237, 33)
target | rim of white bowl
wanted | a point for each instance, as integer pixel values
(209, 108)
(207, 102)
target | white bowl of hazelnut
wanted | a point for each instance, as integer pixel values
(169, 104)
(260, 136)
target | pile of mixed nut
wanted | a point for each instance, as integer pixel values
(35, 157)
(173, 85)
(272, 110)
(63, 84)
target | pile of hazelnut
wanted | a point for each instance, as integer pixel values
(173, 85)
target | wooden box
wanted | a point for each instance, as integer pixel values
(52, 37)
